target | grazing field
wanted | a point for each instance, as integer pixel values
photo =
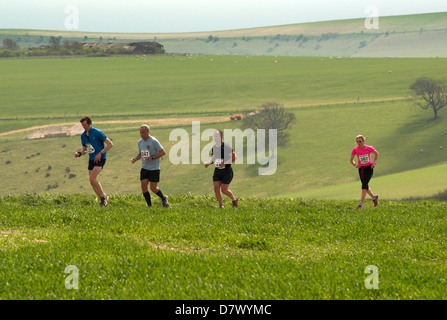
(280, 243)
(47, 165)
(333, 100)
(175, 85)
(265, 249)
(428, 182)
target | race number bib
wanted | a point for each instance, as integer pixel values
(364, 159)
(145, 153)
(217, 163)
(90, 148)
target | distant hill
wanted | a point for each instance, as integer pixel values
(421, 35)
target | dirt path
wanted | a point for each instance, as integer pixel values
(348, 102)
(73, 128)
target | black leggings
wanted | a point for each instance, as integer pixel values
(366, 174)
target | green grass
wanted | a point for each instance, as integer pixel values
(330, 99)
(396, 129)
(157, 86)
(269, 248)
(411, 184)
(265, 249)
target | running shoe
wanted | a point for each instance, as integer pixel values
(376, 200)
(104, 201)
(165, 202)
(235, 202)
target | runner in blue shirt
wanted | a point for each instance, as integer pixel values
(150, 151)
(93, 140)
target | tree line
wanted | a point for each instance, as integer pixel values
(57, 46)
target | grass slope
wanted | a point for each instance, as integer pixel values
(48, 165)
(416, 184)
(265, 249)
(46, 88)
(421, 35)
(323, 94)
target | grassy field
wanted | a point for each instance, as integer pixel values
(281, 243)
(265, 249)
(329, 98)
(157, 86)
(48, 165)
(411, 184)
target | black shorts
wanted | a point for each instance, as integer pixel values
(366, 174)
(224, 175)
(152, 175)
(92, 164)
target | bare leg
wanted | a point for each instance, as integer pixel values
(362, 199)
(93, 175)
(154, 187)
(217, 185)
(226, 191)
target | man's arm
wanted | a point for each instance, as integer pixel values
(138, 157)
(158, 155)
(84, 151)
(109, 145)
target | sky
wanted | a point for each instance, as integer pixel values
(177, 16)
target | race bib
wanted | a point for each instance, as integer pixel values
(90, 148)
(364, 159)
(217, 162)
(145, 153)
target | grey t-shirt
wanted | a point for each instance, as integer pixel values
(149, 148)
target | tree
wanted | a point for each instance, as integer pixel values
(10, 44)
(271, 116)
(431, 92)
(72, 45)
(55, 42)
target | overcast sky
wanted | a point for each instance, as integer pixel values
(164, 16)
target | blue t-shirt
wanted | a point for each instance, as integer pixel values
(149, 148)
(94, 142)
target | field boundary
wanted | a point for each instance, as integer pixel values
(170, 121)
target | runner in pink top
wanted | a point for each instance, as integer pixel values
(364, 155)
(365, 165)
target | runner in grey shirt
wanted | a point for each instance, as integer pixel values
(147, 149)
(150, 151)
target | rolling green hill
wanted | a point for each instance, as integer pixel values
(421, 35)
(282, 242)
(333, 100)
(411, 184)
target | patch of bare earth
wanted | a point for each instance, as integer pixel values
(73, 129)
(166, 247)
